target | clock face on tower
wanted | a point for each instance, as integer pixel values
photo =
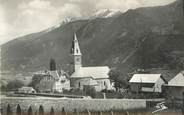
(77, 59)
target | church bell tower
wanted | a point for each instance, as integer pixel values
(77, 54)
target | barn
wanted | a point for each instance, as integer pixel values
(147, 83)
(175, 88)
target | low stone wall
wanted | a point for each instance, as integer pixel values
(73, 104)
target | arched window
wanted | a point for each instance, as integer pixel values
(104, 83)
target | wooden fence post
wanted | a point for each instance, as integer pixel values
(76, 112)
(35, 113)
(127, 113)
(52, 111)
(88, 112)
(41, 110)
(18, 112)
(183, 93)
(30, 111)
(100, 113)
(63, 112)
(112, 113)
(8, 112)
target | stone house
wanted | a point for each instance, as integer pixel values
(52, 81)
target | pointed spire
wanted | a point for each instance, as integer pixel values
(76, 46)
(75, 37)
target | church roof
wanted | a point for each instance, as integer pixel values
(94, 72)
(145, 78)
(178, 80)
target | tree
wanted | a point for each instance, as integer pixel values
(14, 85)
(52, 111)
(41, 110)
(18, 110)
(118, 79)
(36, 80)
(52, 64)
(9, 112)
(30, 111)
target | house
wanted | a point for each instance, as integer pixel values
(52, 81)
(26, 90)
(147, 83)
(82, 77)
(175, 88)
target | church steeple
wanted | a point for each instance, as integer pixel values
(76, 46)
(77, 54)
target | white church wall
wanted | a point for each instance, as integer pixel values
(78, 83)
(103, 84)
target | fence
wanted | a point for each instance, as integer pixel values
(81, 106)
(40, 111)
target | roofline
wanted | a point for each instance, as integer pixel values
(142, 82)
(167, 85)
(94, 66)
(88, 77)
(146, 74)
(80, 77)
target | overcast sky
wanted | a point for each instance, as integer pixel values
(21, 17)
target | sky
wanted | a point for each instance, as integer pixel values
(21, 17)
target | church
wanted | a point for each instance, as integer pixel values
(83, 77)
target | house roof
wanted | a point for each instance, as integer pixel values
(145, 78)
(94, 72)
(26, 88)
(178, 80)
(54, 74)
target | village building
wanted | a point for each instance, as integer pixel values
(52, 81)
(150, 83)
(26, 90)
(175, 88)
(96, 77)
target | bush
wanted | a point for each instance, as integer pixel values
(90, 91)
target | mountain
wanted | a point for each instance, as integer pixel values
(151, 37)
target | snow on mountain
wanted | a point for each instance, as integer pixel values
(106, 13)
(103, 13)
(64, 21)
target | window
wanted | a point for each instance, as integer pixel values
(79, 84)
(150, 85)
